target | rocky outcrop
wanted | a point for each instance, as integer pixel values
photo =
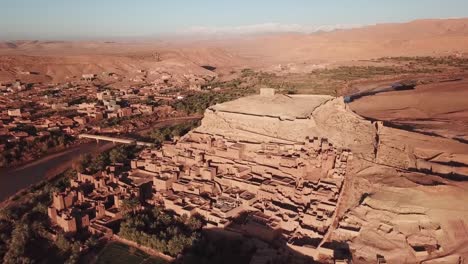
(282, 118)
(424, 153)
(406, 224)
(408, 221)
(293, 118)
(344, 128)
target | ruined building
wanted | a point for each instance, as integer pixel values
(278, 161)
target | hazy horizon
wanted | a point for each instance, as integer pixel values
(88, 20)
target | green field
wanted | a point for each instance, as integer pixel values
(117, 253)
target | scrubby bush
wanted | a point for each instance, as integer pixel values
(161, 231)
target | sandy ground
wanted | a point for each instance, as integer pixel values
(61, 60)
(440, 108)
(432, 123)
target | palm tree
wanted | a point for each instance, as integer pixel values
(130, 205)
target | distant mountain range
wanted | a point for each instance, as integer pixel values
(431, 37)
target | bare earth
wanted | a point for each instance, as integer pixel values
(408, 184)
(405, 192)
(297, 52)
(440, 108)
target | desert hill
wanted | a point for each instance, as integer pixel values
(421, 37)
(404, 191)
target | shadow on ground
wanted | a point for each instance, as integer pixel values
(255, 244)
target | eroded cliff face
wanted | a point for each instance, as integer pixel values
(255, 128)
(417, 152)
(344, 128)
(404, 194)
(405, 217)
(330, 119)
(289, 119)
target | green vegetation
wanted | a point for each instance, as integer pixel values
(350, 73)
(94, 163)
(25, 236)
(114, 121)
(217, 248)
(130, 205)
(159, 135)
(90, 164)
(332, 80)
(82, 99)
(154, 102)
(116, 253)
(24, 227)
(197, 103)
(122, 153)
(49, 92)
(23, 150)
(161, 231)
(328, 81)
(31, 130)
(429, 61)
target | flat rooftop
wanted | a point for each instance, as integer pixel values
(279, 105)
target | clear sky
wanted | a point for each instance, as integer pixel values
(101, 19)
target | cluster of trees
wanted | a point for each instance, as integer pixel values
(429, 61)
(219, 248)
(130, 205)
(114, 121)
(91, 164)
(349, 73)
(154, 102)
(197, 103)
(331, 80)
(158, 136)
(49, 92)
(31, 130)
(17, 152)
(24, 236)
(161, 231)
(123, 153)
(16, 252)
